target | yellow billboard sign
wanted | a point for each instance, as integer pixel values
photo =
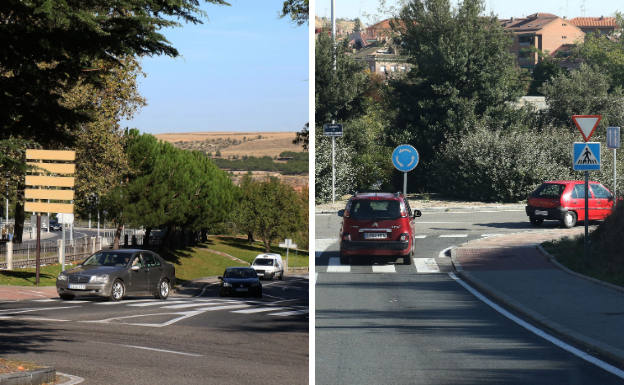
(50, 181)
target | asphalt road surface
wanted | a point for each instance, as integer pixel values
(378, 322)
(184, 340)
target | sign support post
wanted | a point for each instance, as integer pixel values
(38, 258)
(613, 142)
(333, 169)
(405, 158)
(586, 221)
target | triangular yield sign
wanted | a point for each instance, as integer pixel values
(586, 157)
(586, 124)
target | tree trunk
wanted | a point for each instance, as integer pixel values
(250, 237)
(146, 242)
(117, 236)
(18, 229)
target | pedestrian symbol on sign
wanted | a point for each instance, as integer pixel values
(587, 157)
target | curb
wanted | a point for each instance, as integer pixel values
(29, 377)
(596, 348)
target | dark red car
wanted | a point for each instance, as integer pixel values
(564, 200)
(377, 224)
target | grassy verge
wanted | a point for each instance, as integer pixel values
(191, 263)
(570, 253)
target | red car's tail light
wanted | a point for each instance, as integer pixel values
(346, 237)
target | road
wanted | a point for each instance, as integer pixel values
(188, 339)
(377, 322)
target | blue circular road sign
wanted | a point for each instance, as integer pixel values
(405, 158)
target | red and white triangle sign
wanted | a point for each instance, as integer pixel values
(586, 124)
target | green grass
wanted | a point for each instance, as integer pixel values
(190, 263)
(27, 277)
(570, 253)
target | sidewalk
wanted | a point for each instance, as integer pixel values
(518, 274)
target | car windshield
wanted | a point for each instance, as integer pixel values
(375, 209)
(240, 273)
(549, 190)
(263, 262)
(107, 259)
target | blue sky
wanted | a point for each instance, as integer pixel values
(244, 69)
(503, 8)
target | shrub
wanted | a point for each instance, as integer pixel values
(501, 166)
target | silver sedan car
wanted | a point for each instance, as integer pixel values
(115, 273)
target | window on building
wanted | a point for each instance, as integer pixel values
(393, 68)
(382, 68)
(564, 37)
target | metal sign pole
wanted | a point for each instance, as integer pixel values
(38, 260)
(405, 184)
(614, 175)
(333, 169)
(586, 221)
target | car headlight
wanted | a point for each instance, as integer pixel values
(99, 278)
(227, 284)
(62, 277)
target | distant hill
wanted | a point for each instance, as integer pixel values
(234, 144)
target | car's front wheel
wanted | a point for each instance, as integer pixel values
(117, 290)
(164, 288)
(569, 219)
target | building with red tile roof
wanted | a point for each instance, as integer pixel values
(603, 25)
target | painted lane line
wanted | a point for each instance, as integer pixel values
(45, 300)
(488, 235)
(156, 303)
(334, 266)
(384, 269)
(194, 304)
(453, 236)
(225, 307)
(163, 351)
(73, 380)
(125, 302)
(426, 265)
(42, 319)
(420, 236)
(30, 310)
(289, 313)
(540, 333)
(257, 310)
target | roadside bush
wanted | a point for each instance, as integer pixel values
(608, 238)
(501, 166)
(345, 170)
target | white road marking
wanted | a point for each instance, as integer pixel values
(420, 236)
(288, 313)
(323, 244)
(163, 350)
(491, 235)
(548, 337)
(224, 307)
(30, 310)
(257, 310)
(125, 302)
(454, 236)
(73, 380)
(384, 269)
(197, 304)
(334, 266)
(45, 300)
(156, 303)
(42, 319)
(426, 265)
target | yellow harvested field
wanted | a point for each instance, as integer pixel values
(240, 143)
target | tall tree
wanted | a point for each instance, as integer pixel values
(461, 68)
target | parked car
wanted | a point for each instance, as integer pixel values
(377, 224)
(115, 273)
(564, 201)
(240, 280)
(268, 266)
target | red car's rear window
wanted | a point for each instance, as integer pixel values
(364, 209)
(549, 190)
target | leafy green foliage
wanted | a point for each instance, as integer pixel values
(270, 209)
(501, 166)
(299, 164)
(462, 67)
(586, 91)
(298, 10)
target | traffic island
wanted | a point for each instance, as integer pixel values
(24, 373)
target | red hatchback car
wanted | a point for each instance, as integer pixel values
(379, 224)
(564, 200)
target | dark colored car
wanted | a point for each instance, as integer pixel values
(115, 273)
(240, 280)
(379, 224)
(564, 201)
(55, 226)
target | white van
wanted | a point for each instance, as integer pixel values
(268, 266)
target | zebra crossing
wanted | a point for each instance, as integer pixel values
(174, 309)
(419, 266)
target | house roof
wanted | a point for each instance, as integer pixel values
(598, 22)
(533, 22)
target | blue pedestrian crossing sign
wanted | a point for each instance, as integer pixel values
(405, 158)
(586, 156)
